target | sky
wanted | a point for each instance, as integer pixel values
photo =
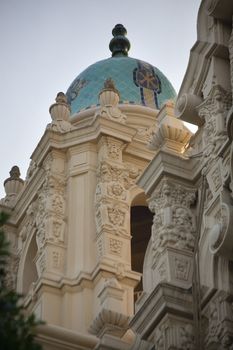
(45, 44)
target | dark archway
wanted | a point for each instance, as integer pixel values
(141, 223)
(30, 274)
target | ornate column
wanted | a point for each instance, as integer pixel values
(50, 218)
(113, 239)
(173, 233)
(114, 291)
(112, 210)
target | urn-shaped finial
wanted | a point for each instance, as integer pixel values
(61, 109)
(109, 95)
(14, 183)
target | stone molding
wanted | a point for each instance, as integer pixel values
(110, 322)
(165, 298)
(58, 337)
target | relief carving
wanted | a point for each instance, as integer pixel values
(58, 230)
(220, 323)
(56, 260)
(116, 216)
(100, 249)
(187, 337)
(220, 234)
(146, 134)
(182, 267)
(213, 112)
(173, 222)
(31, 170)
(41, 264)
(29, 223)
(11, 271)
(163, 271)
(115, 246)
(116, 190)
(120, 270)
(175, 336)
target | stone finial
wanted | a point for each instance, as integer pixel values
(171, 134)
(61, 98)
(109, 95)
(109, 85)
(15, 172)
(13, 185)
(14, 175)
(109, 98)
(61, 109)
(60, 113)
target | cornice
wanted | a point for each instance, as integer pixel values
(183, 169)
(63, 338)
(165, 298)
(80, 135)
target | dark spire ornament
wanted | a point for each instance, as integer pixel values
(119, 45)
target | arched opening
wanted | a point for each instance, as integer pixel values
(30, 274)
(141, 223)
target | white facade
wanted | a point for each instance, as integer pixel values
(76, 220)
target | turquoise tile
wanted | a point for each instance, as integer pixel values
(137, 82)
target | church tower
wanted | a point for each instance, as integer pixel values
(80, 224)
(121, 234)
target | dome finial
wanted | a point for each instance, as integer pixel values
(119, 45)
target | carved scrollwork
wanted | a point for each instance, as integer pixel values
(220, 322)
(220, 235)
(172, 335)
(173, 222)
(213, 111)
(109, 99)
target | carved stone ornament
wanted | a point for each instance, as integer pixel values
(60, 113)
(116, 216)
(171, 133)
(109, 99)
(145, 133)
(110, 322)
(113, 182)
(13, 186)
(173, 223)
(28, 224)
(115, 246)
(174, 335)
(31, 170)
(220, 235)
(219, 330)
(213, 112)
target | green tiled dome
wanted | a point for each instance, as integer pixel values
(138, 82)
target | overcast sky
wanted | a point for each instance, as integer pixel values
(45, 44)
